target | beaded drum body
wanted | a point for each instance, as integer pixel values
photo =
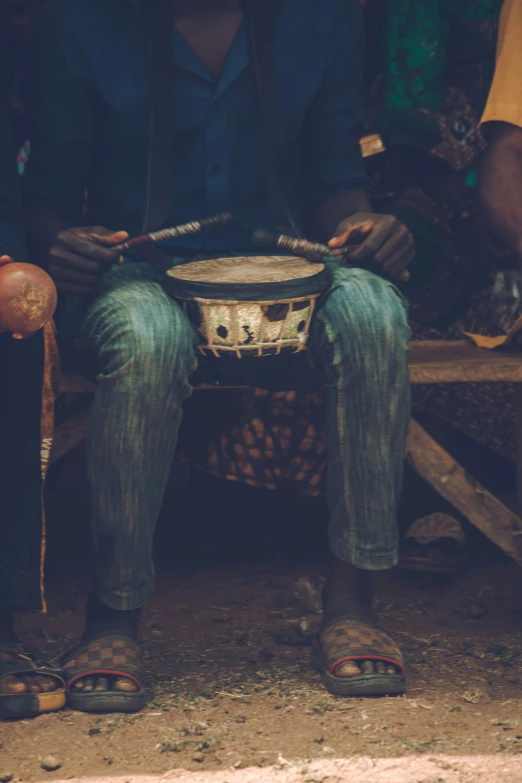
(250, 306)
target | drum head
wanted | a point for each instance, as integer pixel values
(259, 278)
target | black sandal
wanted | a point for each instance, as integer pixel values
(346, 640)
(111, 655)
(25, 660)
(434, 545)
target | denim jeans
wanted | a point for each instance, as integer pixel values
(144, 350)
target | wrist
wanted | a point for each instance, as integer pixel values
(326, 219)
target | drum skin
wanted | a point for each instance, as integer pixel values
(250, 306)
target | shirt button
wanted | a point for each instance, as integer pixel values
(215, 169)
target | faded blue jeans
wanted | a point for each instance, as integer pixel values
(144, 349)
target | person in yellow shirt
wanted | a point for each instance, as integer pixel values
(501, 175)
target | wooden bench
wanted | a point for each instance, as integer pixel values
(430, 362)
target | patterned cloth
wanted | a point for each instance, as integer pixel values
(440, 57)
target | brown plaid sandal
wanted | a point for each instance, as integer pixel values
(24, 660)
(111, 655)
(346, 640)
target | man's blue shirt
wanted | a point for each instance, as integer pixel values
(87, 98)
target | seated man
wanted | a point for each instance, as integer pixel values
(501, 175)
(27, 684)
(88, 99)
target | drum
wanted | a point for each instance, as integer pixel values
(250, 306)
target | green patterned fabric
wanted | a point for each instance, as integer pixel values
(439, 58)
(418, 38)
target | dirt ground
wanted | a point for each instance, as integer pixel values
(227, 637)
(233, 688)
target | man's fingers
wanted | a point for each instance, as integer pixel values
(5, 260)
(63, 272)
(401, 262)
(400, 242)
(87, 248)
(63, 257)
(366, 251)
(115, 238)
(357, 232)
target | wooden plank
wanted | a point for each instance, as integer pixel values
(431, 361)
(461, 361)
(450, 480)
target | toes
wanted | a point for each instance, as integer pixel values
(32, 684)
(353, 668)
(89, 683)
(47, 684)
(102, 684)
(12, 686)
(124, 685)
(348, 669)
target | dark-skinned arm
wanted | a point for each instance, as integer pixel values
(501, 184)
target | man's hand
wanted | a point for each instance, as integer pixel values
(80, 256)
(375, 241)
(501, 184)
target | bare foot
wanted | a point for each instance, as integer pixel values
(105, 683)
(354, 669)
(18, 684)
(348, 595)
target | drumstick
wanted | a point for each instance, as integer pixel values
(285, 242)
(305, 247)
(183, 230)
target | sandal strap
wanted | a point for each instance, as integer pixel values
(111, 654)
(25, 659)
(351, 640)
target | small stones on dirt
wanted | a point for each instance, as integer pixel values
(6, 777)
(198, 757)
(477, 611)
(50, 764)
(295, 633)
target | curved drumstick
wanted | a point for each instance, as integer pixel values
(183, 230)
(303, 246)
